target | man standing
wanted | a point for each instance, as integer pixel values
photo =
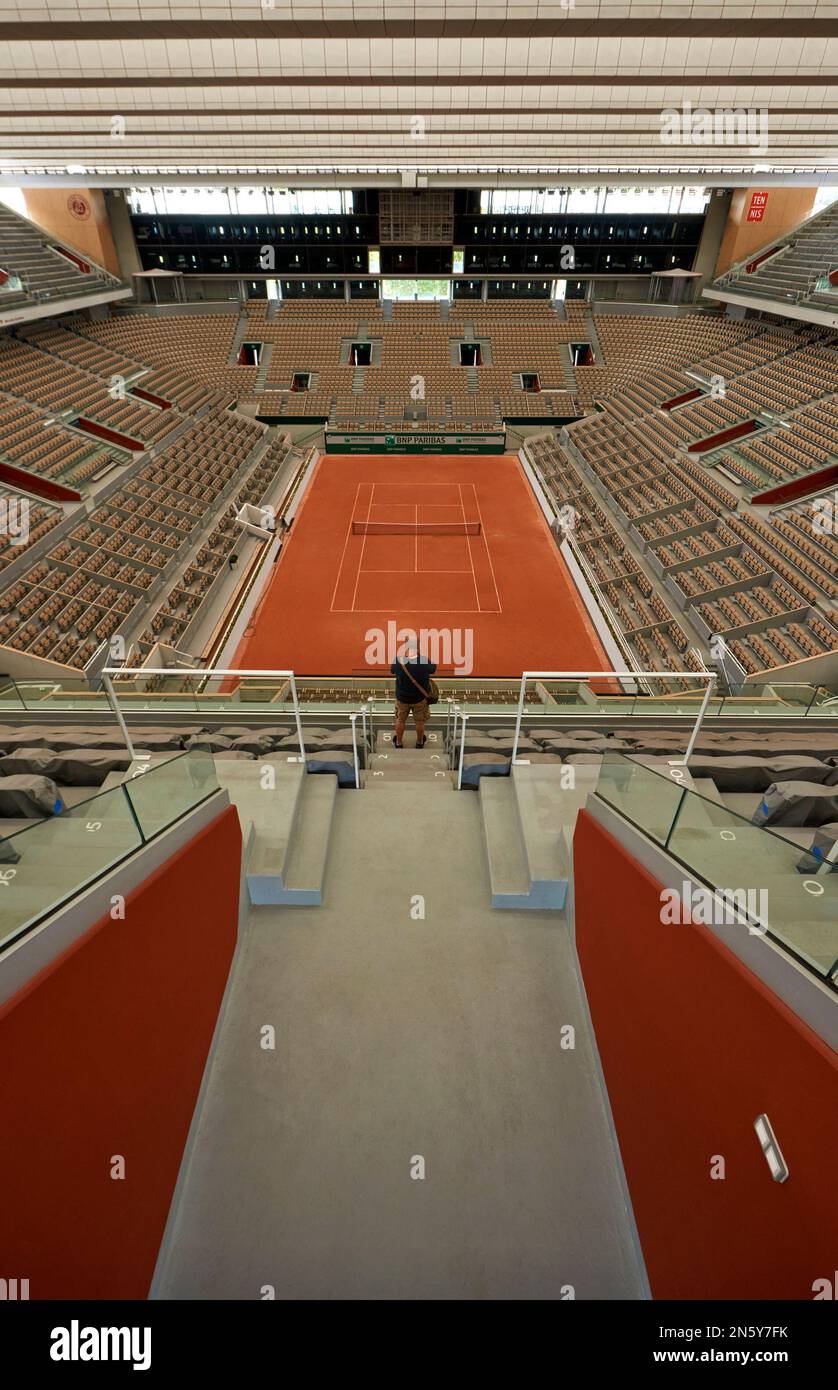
(412, 674)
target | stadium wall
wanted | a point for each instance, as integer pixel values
(785, 209)
(694, 1047)
(77, 216)
(104, 1054)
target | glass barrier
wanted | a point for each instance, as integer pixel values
(593, 699)
(647, 798)
(44, 864)
(10, 698)
(167, 790)
(774, 882)
(47, 863)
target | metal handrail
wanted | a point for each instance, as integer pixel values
(462, 754)
(353, 719)
(709, 676)
(108, 671)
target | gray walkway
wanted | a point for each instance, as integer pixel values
(398, 1038)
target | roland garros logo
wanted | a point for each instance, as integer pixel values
(78, 207)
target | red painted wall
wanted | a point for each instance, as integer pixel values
(693, 1048)
(797, 487)
(103, 1054)
(125, 441)
(39, 487)
(723, 437)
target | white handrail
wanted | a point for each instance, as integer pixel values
(108, 671)
(709, 676)
(353, 720)
(462, 753)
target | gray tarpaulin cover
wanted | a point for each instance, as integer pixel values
(797, 803)
(746, 774)
(477, 765)
(29, 796)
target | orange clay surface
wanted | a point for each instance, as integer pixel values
(508, 584)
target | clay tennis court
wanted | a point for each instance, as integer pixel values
(426, 542)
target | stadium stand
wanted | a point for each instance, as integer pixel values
(41, 270)
(541, 1006)
(795, 268)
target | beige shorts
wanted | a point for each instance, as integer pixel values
(420, 711)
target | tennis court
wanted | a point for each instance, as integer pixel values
(433, 542)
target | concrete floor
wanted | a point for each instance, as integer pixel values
(397, 1038)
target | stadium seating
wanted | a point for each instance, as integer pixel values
(801, 261)
(41, 272)
(673, 550)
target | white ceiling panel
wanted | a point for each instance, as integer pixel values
(338, 83)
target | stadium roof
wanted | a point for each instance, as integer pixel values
(393, 92)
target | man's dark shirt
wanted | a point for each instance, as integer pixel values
(406, 691)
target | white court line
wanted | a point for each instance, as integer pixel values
(332, 608)
(416, 539)
(361, 556)
(385, 608)
(486, 545)
(421, 571)
(470, 557)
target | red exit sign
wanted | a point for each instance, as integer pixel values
(757, 209)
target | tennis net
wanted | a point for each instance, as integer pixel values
(416, 528)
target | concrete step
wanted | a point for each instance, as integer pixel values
(384, 741)
(285, 861)
(268, 818)
(526, 828)
(306, 862)
(509, 879)
(538, 801)
(408, 765)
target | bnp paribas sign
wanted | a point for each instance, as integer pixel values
(415, 442)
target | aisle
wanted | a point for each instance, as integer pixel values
(400, 1038)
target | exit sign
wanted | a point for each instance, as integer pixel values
(756, 211)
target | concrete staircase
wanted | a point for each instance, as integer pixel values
(242, 331)
(567, 367)
(593, 339)
(262, 369)
(286, 829)
(388, 765)
(528, 821)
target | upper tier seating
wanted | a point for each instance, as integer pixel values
(40, 273)
(806, 255)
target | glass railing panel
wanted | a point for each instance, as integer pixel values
(140, 693)
(10, 696)
(46, 863)
(777, 881)
(786, 700)
(169, 789)
(246, 694)
(823, 702)
(648, 798)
